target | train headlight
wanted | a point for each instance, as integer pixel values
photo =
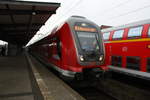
(81, 58)
(101, 58)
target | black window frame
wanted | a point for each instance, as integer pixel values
(89, 25)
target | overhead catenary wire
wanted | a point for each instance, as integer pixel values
(130, 12)
(64, 14)
(114, 7)
(71, 5)
(69, 9)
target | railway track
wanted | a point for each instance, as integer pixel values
(90, 92)
(132, 81)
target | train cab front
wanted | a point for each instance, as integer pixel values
(90, 49)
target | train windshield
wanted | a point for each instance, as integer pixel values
(88, 41)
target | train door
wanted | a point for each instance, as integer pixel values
(117, 48)
(134, 56)
(57, 52)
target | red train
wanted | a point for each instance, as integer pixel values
(128, 48)
(74, 48)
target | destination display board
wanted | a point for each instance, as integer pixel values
(84, 27)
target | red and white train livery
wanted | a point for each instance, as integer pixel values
(73, 48)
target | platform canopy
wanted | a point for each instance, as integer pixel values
(20, 20)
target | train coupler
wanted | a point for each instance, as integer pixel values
(95, 74)
(79, 76)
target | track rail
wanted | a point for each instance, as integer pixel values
(89, 91)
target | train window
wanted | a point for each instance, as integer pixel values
(88, 41)
(149, 32)
(133, 63)
(118, 34)
(116, 61)
(135, 32)
(106, 35)
(59, 48)
(148, 65)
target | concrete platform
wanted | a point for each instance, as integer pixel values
(52, 87)
(16, 81)
(24, 78)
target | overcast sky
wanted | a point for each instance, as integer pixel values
(102, 12)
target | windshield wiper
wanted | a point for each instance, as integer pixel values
(97, 44)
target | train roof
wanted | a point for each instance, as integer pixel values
(138, 23)
(71, 20)
(75, 18)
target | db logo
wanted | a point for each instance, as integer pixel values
(124, 49)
